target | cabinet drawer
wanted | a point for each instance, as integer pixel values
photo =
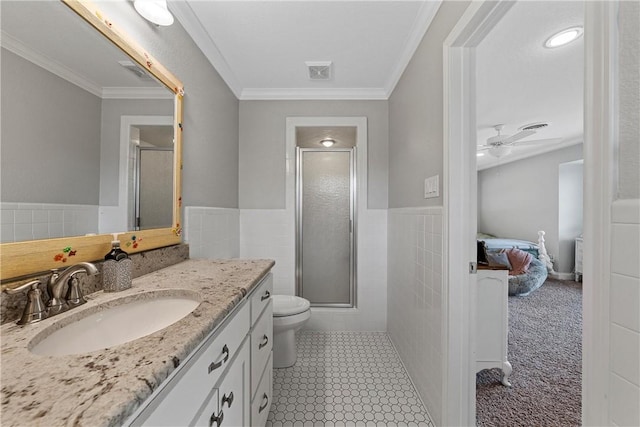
(261, 345)
(182, 396)
(262, 400)
(260, 297)
(228, 404)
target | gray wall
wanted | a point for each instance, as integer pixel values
(49, 154)
(112, 110)
(517, 199)
(415, 116)
(629, 89)
(570, 212)
(263, 143)
(210, 149)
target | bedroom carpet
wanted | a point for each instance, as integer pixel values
(545, 350)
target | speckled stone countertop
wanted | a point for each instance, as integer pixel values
(104, 387)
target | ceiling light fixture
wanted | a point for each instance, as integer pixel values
(328, 142)
(479, 154)
(500, 150)
(155, 11)
(563, 37)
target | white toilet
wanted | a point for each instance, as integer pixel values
(289, 314)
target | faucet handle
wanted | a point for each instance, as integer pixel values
(34, 310)
(74, 295)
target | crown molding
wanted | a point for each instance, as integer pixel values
(192, 25)
(136, 93)
(254, 94)
(419, 28)
(14, 45)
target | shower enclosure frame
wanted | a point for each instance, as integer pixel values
(353, 214)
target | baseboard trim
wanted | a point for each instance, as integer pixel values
(562, 276)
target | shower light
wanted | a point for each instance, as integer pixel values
(328, 142)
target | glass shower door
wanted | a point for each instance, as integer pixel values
(326, 183)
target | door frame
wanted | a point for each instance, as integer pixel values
(460, 204)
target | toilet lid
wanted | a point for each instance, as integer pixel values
(288, 305)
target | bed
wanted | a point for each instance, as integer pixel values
(540, 266)
(494, 243)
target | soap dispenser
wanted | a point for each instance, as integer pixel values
(116, 270)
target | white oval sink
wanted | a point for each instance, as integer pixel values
(116, 322)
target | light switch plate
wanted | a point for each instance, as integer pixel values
(432, 187)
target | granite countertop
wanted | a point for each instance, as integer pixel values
(104, 387)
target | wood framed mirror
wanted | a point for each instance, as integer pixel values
(38, 168)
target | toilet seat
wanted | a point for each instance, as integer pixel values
(288, 305)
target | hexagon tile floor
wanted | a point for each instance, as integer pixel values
(345, 379)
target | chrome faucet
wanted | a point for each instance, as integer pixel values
(60, 282)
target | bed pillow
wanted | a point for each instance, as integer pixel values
(519, 260)
(498, 259)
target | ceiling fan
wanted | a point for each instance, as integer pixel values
(501, 145)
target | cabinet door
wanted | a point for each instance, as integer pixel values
(261, 297)
(261, 345)
(262, 400)
(232, 405)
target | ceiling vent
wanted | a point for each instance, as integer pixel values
(136, 69)
(319, 70)
(534, 126)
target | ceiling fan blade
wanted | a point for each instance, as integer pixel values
(538, 141)
(522, 134)
(484, 147)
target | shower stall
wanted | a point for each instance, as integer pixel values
(326, 224)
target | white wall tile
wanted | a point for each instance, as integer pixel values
(212, 233)
(624, 340)
(625, 301)
(270, 233)
(625, 354)
(624, 398)
(414, 283)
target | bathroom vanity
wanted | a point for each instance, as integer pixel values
(212, 365)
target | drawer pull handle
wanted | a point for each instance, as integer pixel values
(217, 420)
(215, 365)
(227, 399)
(266, 295)
(265, 399)
(265, 341)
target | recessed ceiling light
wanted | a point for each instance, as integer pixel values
(328, 142)
(563, 37)
(155, 11)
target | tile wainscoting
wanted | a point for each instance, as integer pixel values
(624, 339)
(212, 233)
(35, 221)
(270, 233)
(415, 298)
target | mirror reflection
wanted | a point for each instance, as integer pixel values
(87, 135)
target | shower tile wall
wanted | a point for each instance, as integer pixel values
(33, 221)
(212, 232)
(415, 298)
(270, 233)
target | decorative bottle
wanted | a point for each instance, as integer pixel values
(116, 270)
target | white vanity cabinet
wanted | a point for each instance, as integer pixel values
(215, 385)
(261, 352)
(492, 321)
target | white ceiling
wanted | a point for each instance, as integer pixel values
(260, 47)
(522, 82)
(53, 37)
